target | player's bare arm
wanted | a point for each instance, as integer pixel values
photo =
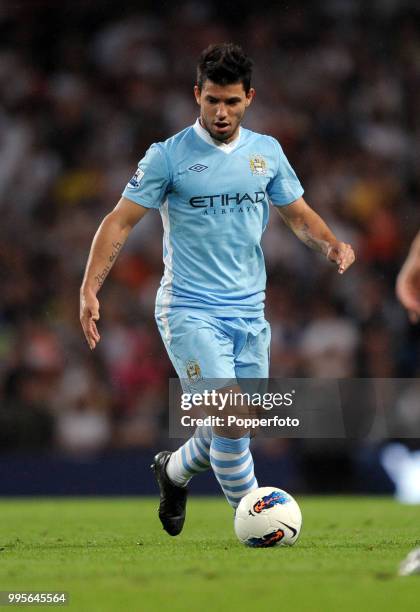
(107, 244)
(312, 230)
(408, 282)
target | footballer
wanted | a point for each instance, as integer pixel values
(213, 184)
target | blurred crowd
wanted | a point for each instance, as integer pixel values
(85, 90)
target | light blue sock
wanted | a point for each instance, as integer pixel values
(190, 458)
(233, 467)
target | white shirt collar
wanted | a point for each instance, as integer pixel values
(222, 146)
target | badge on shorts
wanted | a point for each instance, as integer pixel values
(193, 370)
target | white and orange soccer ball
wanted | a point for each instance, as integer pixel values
(268, 517)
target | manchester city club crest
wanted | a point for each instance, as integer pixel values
(258, 165)
(193, 370)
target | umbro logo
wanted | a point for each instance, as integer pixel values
(198, 168)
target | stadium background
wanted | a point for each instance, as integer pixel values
(84, 90)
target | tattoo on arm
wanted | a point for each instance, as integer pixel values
(117, 247)
(311, 241)
(309, 227)
(100, 278)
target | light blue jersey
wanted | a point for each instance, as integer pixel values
(214, 201)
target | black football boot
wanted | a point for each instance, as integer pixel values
(173, 499)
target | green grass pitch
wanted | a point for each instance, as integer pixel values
(111, 554)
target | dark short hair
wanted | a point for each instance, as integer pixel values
(224, 64)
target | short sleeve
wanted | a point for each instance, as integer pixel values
(285, 186)
(150, 182)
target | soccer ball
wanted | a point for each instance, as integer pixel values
(268, 517)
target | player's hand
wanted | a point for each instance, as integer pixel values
(342, 254)
(408, 288)
(89, 314)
